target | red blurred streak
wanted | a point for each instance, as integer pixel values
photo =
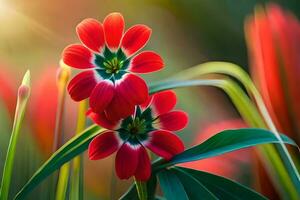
(273, 39)
(273, 43)
(43, 109)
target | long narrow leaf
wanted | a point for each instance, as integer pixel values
(227, 141)
(72, 148)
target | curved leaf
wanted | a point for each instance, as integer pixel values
(236, 72)
(72, 148)
(227, 141)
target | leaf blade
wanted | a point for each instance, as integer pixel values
(227, 141)
(72, 148)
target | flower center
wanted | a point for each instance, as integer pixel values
(138, 126)
(135, 129)
(113, 66)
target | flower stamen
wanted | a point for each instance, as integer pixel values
(113, 66)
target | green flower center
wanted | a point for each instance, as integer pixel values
(135, 129)
(113, 66)
(138, 126)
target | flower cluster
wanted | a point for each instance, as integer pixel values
(119, 99)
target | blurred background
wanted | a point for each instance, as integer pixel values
(185, 33)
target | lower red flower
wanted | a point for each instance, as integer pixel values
(149, 127)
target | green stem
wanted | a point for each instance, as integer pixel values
(76, 191)
(63, 177)
(23, 95)
(141, 188)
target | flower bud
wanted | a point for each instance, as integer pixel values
(24, 89)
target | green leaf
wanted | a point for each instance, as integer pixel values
(72, 148)
(171, 186)
(193, 187)
(223, 188)
(227, 141)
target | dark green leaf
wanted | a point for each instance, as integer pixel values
(227, 141)
(223, 188)
(72, 148)
(171, 186)
(193, 188)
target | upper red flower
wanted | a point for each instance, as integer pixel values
(151, 126)
(107, 58)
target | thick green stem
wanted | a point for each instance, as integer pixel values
(141, 188)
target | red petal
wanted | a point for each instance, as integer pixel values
(113, 29)
(143, 170)
(81, 86)
(101, 120)
(146, 62)
(135, 38)
(102, 95)
(91, 34)
(119, 107)
(173, 121)
(127, 160)
(78, 56)
(133, 88)
(164, 144)
(163, 102)
(103, 145)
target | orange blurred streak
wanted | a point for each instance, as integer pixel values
(228, 165)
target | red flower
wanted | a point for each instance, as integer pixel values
(150, 127)
(107, 58)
